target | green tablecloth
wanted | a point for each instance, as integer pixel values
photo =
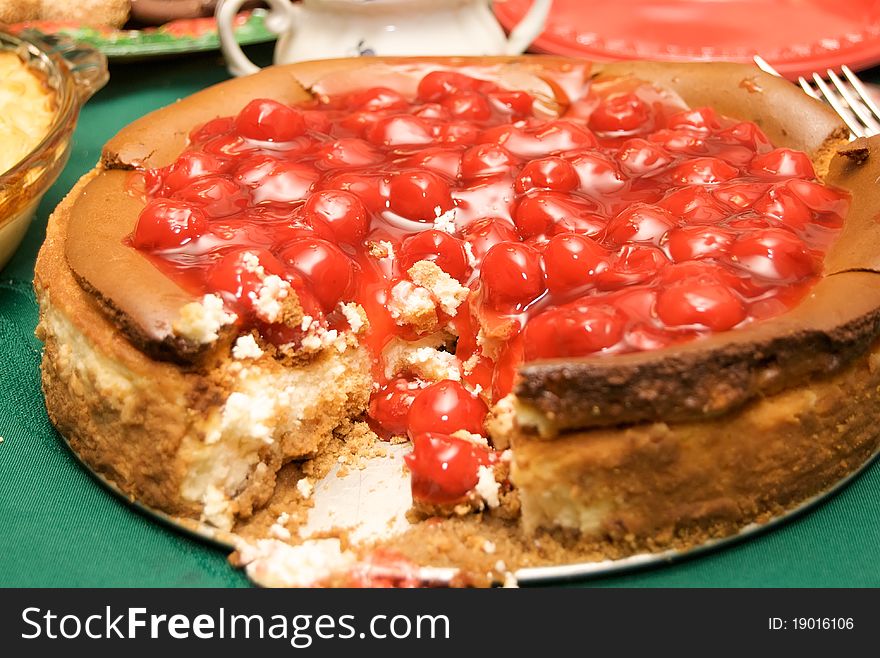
(59, 527)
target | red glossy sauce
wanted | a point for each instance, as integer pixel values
(628, 224)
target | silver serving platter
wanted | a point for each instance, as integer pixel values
(361, 501)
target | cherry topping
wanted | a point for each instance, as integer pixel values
(485, 160)
(783, 163)
(572, 262)
(437, 85)
(640, 223)
(376, 99)
(697, 242)
(389, 406)
(240, 275)
(168, 224)
(694, 205)
(468, 105)
(446, 407)
(701, 300)
(323, 265)
(191, 166)
(400, 130)
(438, 247)
(574, 329)
(701, 119)
(539, 213)
(419, 195)
(266, 120)
(217, 196)
(639, 157)
(348, 152)
(774, 254)
(620, 113)
(342, 211)
(551, 173)
(703, 171)
(484, 234)
(511, 276)
(445, 468)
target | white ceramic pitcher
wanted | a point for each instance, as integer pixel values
(321, 29)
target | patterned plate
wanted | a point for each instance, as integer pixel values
(174, 38)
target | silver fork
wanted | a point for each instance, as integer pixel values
(848, 97)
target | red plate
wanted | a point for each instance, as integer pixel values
(795, 36)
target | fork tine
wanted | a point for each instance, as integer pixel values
(765, 66)
(863, 93)
(858, 108)
(834, 100)
(808, 90)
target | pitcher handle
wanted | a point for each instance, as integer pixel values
(279, 20)
(529, 27)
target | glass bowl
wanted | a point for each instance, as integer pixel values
(74, 72)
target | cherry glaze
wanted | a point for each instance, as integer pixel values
(629, 223)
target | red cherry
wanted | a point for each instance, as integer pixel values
(418, 195)
(432, 111)
(783, 163)
(437, 85)
(780, 204)
(217, 196)
(701, 119)
(342, 211)
(446, 407)
(347, 152)
(190, 166)
(541, 212)
(572, 262)
(234, 275)
(703, 171)
(324, 267)
(747, 134)
(680, 141)
(573, 330)
(457, 132)
(640, 222)
(639, 157)
(774, 254)
(376, 99)
(511, 276)
(266, 120)
(597, 174)
(400, 130)
(390, 404)
(558, 136)
(820, 199)
(445, 468)
(468, 105)
(632, 264)
(359, 123)
(441, 160)
(486, 233)
(694, 205)
(517, 103)
(485, 160)
(700, 301)
(370, 189)
(551, 173)
(285, 183)
(438, 247)
(696, 242)
(213, 128)
(739, 196)
(168, 224)
(251, 171)
(620, 113)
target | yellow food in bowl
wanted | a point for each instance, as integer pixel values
(27, 109)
